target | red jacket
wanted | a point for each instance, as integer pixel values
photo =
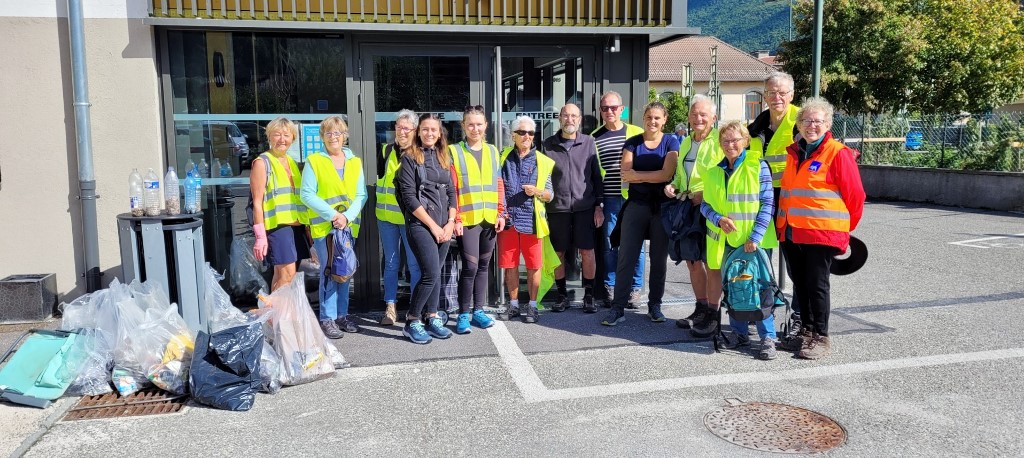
(844, 174)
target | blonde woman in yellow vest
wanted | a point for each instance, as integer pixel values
(334, 191)
(278, 215)
(390, 221)
(480, 194)
(738, 205)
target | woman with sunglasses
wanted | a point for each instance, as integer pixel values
(478, 187)
(427, 198)
(526, 174)
(334, 191)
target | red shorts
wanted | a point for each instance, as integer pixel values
(512, 243)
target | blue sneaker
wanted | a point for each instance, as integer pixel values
(614, 317)
(436, 328)
(480, 319)
(463, 324)
(415, 332)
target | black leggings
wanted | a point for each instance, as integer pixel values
(809, 267)
(477, 243)
(430, 255)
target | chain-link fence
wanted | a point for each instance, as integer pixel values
(992, 141)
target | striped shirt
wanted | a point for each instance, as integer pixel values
(609, 150)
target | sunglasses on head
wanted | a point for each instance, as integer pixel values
(472, 108)
(523, 133)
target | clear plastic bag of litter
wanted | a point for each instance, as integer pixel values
(244, 274)
(95, 319)
(164, 343)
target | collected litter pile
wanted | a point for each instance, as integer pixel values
(128, 337)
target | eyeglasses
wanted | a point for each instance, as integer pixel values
(524, 133)
(404, 129)
(334, 133)
(569, 116)
(610, 107)
(730, 141)
(812, 122)
(773, 94)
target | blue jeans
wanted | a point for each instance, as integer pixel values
(390, 236)
(765, 327)
(333, 295)
(612, 205)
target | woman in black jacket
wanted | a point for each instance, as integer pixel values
(427, 197)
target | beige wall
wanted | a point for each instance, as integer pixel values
(42, 230)
(733, 95)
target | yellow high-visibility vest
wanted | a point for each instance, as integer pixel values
(775, 155)
(709, 154)
(740, 201)
(545, 165)
(477, 183)
(387, 198)
(332, 189)
(281, 203)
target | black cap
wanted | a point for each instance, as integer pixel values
(858, 256)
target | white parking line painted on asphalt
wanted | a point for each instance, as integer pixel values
(985, 242)
(533, 390)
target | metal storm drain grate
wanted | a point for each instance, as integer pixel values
(151, 401)
(775, 427)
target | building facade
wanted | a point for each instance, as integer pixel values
(176, 80)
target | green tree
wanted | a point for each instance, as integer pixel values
(677, 105)
(931, 55)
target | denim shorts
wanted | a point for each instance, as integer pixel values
(286, 245)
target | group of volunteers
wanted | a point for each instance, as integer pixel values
(780, 182)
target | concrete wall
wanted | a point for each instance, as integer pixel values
(42, 224)
(733, 95)
(991, 190)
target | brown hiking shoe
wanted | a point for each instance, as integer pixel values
(816, 348)
(390, 315)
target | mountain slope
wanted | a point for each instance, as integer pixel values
(751, 25)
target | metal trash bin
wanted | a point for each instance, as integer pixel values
(25, 298)
(168, 250)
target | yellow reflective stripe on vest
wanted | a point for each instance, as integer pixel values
(386, 208)
(739, 199)
(478, 184)
(281, 203)
(335, 191)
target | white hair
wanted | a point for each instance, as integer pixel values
(407, 115)
(701, 98)
(816, 104)
(517, 124)
(780, 77)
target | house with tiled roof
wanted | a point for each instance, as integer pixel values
(741, 75)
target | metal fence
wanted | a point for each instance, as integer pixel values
(990, 141)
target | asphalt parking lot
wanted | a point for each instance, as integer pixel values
(926, 361)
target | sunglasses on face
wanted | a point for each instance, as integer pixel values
(524, 133)
(610, 107)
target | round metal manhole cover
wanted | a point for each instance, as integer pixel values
(775, 428)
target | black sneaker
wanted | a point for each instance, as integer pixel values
(531, 314)
(698, 313)
(614, 317)
(330, 329)
(734, 341)
(588, 304)
(708, 325)
(654, 311)
(561, 304)
(511, 311)
(346, 324)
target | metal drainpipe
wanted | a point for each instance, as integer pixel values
(83, 136)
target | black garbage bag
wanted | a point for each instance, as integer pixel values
(225, 372)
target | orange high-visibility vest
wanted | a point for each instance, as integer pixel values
(807, 200)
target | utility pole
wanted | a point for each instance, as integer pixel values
(816, 66)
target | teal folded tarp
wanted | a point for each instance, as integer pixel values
(42, 368)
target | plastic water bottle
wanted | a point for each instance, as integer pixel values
(204, 168)
(225, 169)
(135, 193)
(172, 196)
(190, 192)
(151, 185)
(215, 168)
(197, 184)
(189, 166)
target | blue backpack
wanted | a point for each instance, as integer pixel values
(749, 285)
(342, 253)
